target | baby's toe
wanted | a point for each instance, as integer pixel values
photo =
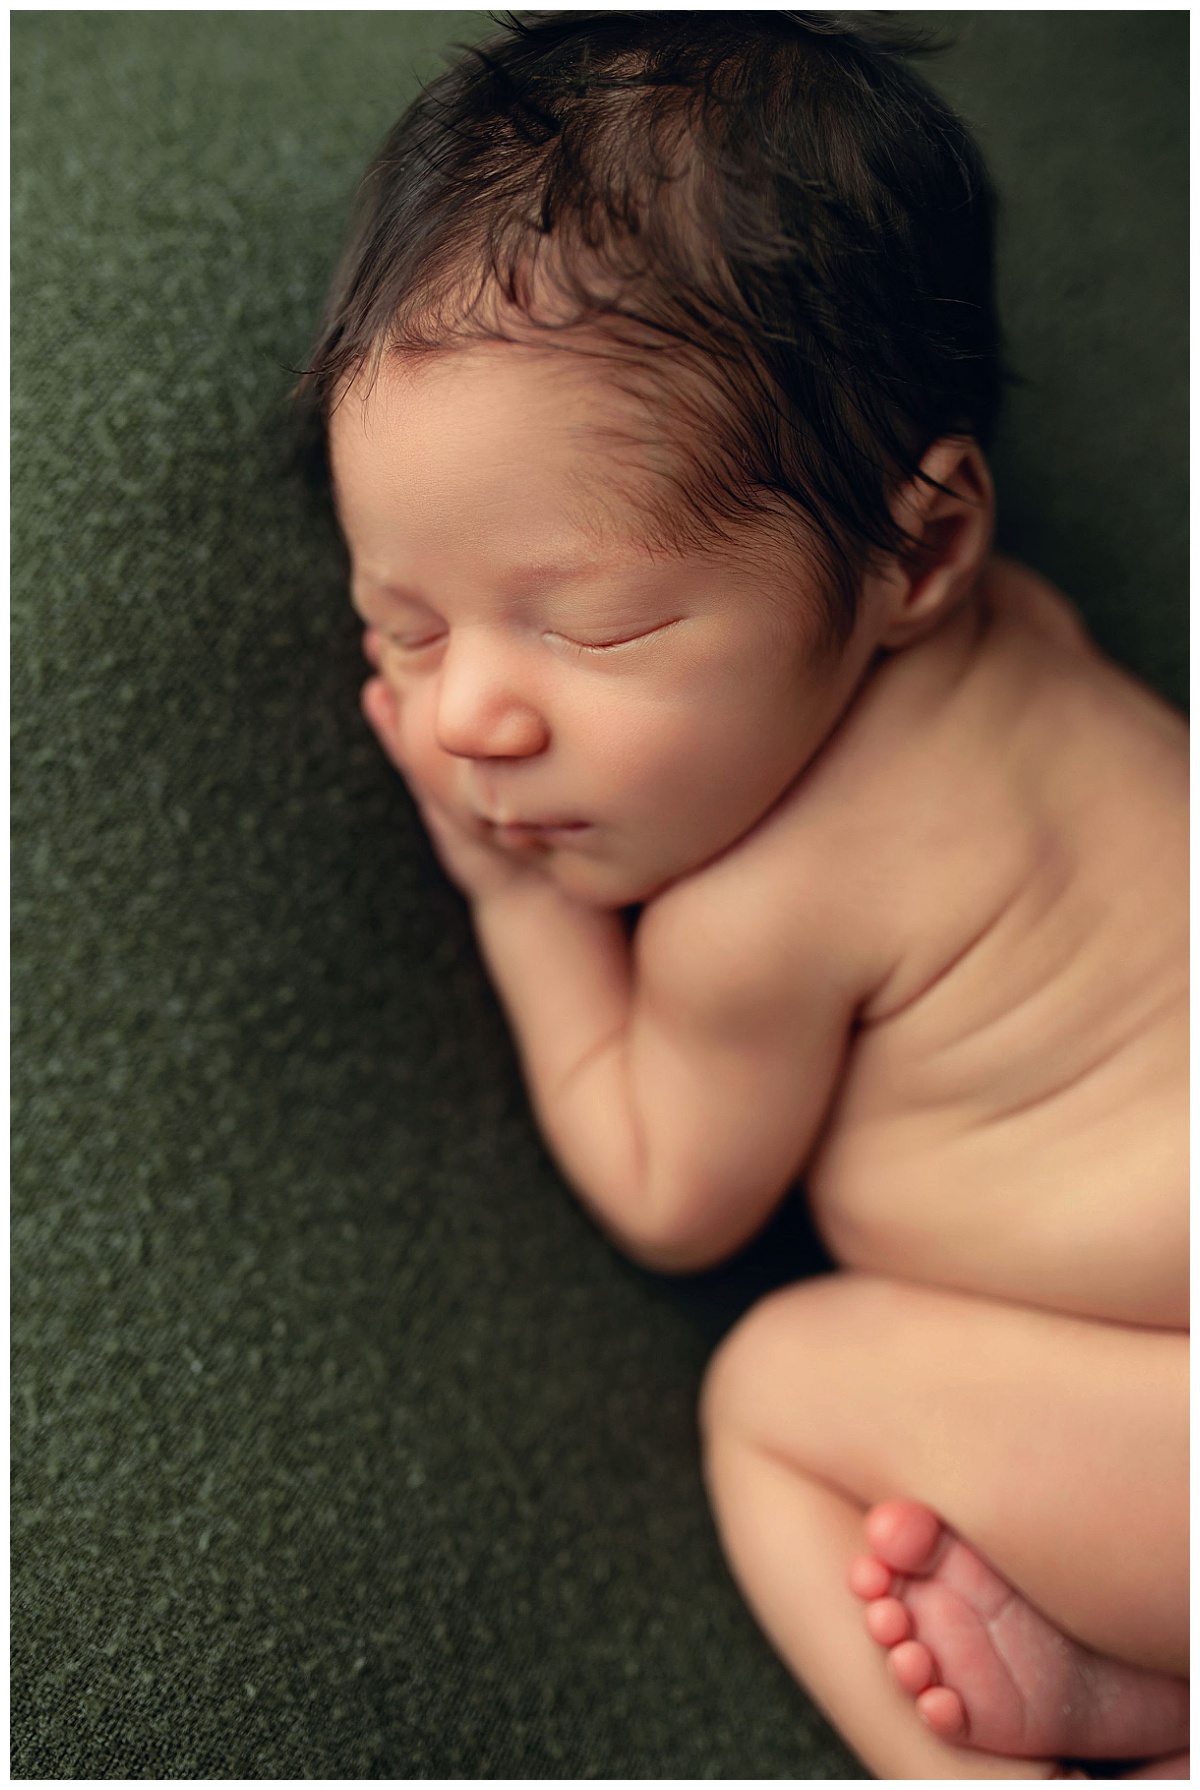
(905, 1535)
(942, 1709)
(912, 1667)
(888, 1621)
(869, 1578)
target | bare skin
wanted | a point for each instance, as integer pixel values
(917, 905)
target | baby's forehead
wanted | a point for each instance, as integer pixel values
(505, 420)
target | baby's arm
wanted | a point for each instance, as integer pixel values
(679, 1080)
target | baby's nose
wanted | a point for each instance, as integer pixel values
(515, 732)
(479, 717)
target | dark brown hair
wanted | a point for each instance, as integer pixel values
(776, 233)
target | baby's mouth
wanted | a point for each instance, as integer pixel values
(492, 809)
(520, 833)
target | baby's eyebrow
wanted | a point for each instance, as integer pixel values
(386, 587)
(534, 580)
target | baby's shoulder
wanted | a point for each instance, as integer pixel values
(1088, 738)
(1009, 759)
(1005, 725)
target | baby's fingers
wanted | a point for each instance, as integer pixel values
(383, 718)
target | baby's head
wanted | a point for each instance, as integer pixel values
(654, 377)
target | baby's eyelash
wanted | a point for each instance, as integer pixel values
(607, 646)
(584, 646)
(412, 646)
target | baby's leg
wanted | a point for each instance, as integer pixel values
(1056, 1445)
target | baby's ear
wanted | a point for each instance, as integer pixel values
(948, 510)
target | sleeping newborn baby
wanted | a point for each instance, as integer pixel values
(801, 833)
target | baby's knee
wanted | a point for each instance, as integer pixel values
(777, 1371)
(752, 1356)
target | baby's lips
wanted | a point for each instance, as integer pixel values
(372, 646)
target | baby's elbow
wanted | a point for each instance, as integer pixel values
(679, 1235)
(670, 1255)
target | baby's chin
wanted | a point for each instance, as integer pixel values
(607, 882)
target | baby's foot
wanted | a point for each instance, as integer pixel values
(985, 1668)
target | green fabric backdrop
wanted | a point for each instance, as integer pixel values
(343, 1445)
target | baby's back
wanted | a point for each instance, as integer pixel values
(1008, 815)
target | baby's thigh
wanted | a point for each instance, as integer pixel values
(1055, 1445)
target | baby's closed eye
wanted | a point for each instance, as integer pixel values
(604, 643)
(414, 640)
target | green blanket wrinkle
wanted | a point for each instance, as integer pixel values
(343, 1445)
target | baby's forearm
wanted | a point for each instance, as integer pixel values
(644, 1068)
(564, 973)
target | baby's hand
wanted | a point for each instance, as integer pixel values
(474, 865)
